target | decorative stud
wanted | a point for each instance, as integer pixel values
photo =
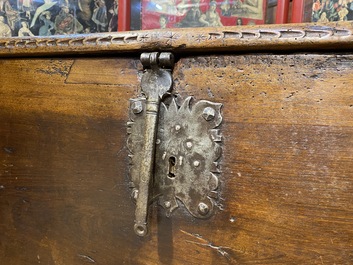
(203, 208)
(208, 113)
(188, 145)
(136, 107)
(167, 204)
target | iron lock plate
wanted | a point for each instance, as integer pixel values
(186, 149)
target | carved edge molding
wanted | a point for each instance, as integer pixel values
(265, 37)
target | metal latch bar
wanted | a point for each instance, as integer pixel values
(175, 146)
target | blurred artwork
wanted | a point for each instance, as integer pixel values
(59, 17)
(201, 13)
(332, 10)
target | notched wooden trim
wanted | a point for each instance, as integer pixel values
(246, 38)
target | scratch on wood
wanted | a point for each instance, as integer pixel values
(88, 258)
(9, 150)
(203, 242)
(193, 235)
(120, 150)
(219, 249)
(219, 204)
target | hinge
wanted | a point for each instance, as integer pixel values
(174, 146)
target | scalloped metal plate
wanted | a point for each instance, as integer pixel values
(188, 150)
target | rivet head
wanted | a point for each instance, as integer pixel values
(208, 113)
(188, 145)
(203, 208)
(177, 127)
(167, 204)
(158, 141)
(196, 163)
(140, 229)
(134, 194)
(136, 107)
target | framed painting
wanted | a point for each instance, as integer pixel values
(201, 13)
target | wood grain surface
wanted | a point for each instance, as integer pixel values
(287, 175)
(290, 37)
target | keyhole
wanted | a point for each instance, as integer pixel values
(171, 171)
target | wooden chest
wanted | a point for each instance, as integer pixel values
(285, 193)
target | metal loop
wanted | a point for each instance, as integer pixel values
(150, 60)
(156, 59)
(166, 60)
